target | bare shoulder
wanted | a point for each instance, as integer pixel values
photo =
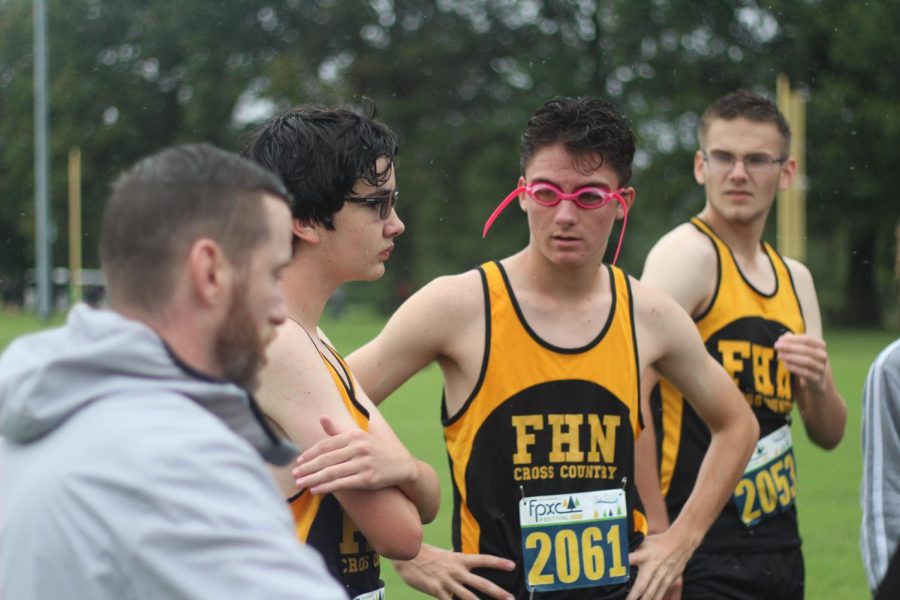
(446, 299)
(684, 263)
(800, 273)
(652, 306)
(659, 321)
(684, 246)
(296, 387)
(806, 294)
(461, 290)
(439, 318)
(291, 349)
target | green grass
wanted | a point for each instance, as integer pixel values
(828, 500)
(13, 324)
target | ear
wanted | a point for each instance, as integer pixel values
(788, 174)
(210, 272)
(628, 195)
(699, 171)
(306, 230)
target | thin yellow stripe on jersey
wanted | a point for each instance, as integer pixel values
(673, 407)
(640, 521)
(305, 508)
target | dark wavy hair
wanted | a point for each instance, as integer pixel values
(320, 154)
(588, 127)
(747, 105)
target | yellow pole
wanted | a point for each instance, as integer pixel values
(791, 211)
(75, 224)
(798, 151)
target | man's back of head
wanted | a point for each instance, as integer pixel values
(164, 203)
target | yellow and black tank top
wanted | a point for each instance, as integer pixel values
(321, 521)
(739, 328)
(543, 420)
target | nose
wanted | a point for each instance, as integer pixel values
(394, 226)
(566, 211)
(738, 170)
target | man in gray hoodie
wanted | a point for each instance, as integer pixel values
(880, 489)
(131, 448)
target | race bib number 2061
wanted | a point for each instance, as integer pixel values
(574, 540)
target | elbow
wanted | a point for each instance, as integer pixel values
(828, 434)
(828, 441)
(750, 428)
(429, 513)
(401, 543)
(827, 444)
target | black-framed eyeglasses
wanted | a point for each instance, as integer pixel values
(755, 164)
(384, 203)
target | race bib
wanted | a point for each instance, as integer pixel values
(574, 540)
(373, 595)
(769, 483)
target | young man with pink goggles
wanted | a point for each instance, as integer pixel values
(541, 406)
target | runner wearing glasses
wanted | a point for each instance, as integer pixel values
(338, 166)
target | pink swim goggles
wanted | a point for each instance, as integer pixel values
(547, 194)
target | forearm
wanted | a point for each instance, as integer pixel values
(424, 491)
(387, 519)
(823, 411)
(726, 458)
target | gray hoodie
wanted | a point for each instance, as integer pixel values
(880, 489)
(125, 475)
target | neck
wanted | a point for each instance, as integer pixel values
(561, 280)
(743, 238)
(187, 338)
(307, 288)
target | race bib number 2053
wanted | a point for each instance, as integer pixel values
(574, 540)
(769, 483)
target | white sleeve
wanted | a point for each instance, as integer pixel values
(880, 488)
(219, 529)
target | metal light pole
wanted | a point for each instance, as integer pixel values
(41, 233)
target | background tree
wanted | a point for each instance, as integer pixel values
(456, 79)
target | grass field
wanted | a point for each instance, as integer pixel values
(828, 502)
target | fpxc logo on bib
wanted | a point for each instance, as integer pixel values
(546, 511)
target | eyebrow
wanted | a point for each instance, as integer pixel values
(379, 191)
(730, 153)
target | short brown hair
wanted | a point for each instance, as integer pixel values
(747, 105)
(164, 203)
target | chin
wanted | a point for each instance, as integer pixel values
(373, 274)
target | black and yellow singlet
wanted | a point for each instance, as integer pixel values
(544, 420)
(739, 328)
(321, 521)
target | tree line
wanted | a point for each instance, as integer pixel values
(457, 79)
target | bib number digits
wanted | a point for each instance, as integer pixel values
(769, 484)
(574, 541)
